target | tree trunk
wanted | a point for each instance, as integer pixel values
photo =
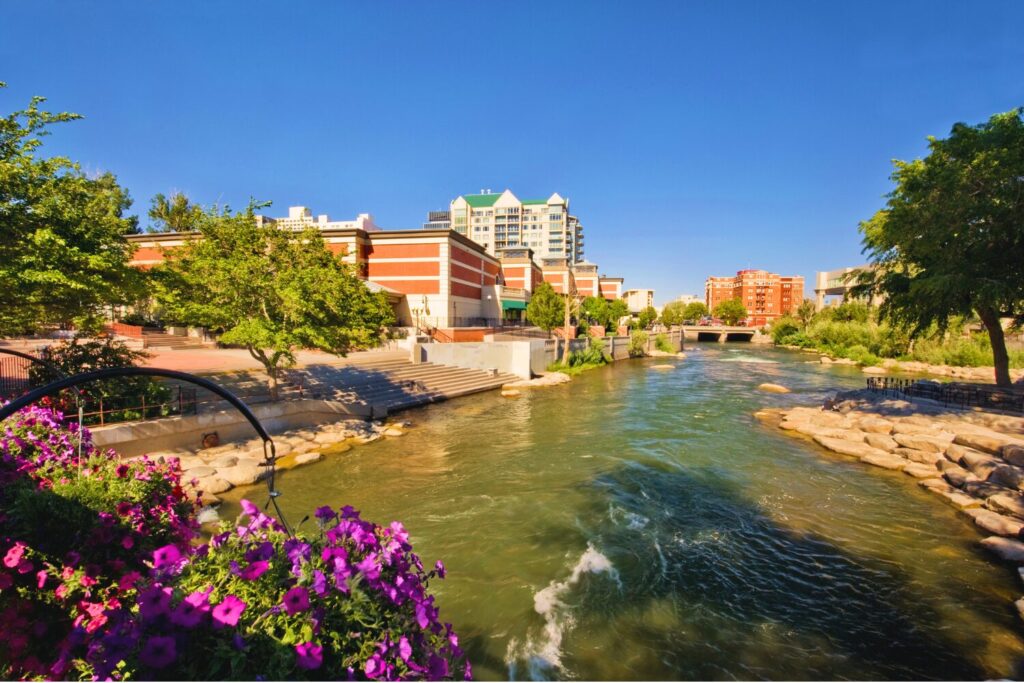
(272, 382)
(1000, 358)
(565, 331)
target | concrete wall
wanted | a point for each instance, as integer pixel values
(136, 438)
(520, 358)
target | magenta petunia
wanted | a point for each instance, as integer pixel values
(255, 570)
(228, 612)
(158, 652)
(13, 557)
(309, 656)
(296, 600)
(166, 556)
(191, 610)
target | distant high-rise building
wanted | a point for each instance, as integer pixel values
(300, 218)
(500, 220)
(638, 299)
(438, 220)
(765, 295)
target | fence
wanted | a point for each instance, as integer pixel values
(104, 410)
(14, 379)
(953, 394)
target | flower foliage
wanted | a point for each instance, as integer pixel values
(99, 580)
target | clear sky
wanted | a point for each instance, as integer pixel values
(693, 138)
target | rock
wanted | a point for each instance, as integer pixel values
(337, 448)
(1013, 454)
(325, 438)
(886, 460)
(984, 489)
(546, 380)
(397, 431)
(874, 370)
(663, 366)
(305, 458)
(979, 463)
(213, 485)
(916, 469)
(511, 393)
(1008, 476)
(934, 483)
(1008, 503)
(995, 523)
(957, 498)
(875, 425)
(680, 355)
(919, 442)
(914, 455)
(198, 472)
(856, 449)
(244, 473)
(958, 476)
(224, 461)
(216, 450)
(305, 447)
(825, 360)
(772, 388)
(883, 441)
(1019, 604)
(983, 442)
(1008, 549)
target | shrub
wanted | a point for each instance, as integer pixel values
(637, 344)
(862, 355)
(783, 328)
(662, 343)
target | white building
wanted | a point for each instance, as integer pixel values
(503, 220)
(638, 299)
(300, 218)
(686, 299)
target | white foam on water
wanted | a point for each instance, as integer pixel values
(544, 653)
(749, 359)
(661, 559)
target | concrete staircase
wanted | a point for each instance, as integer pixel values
(153, 338)
(388, 383)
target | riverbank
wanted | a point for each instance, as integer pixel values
(971, 460)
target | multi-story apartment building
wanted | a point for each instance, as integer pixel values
(765, 295)
(611, 287)
(503, 220)
(300, 218)
(438, 220)
(638, 299)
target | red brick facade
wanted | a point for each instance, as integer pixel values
(765, 295)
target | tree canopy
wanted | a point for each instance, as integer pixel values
(673, 313)
(271, 291)
(63, 252)
(950, 240)
(647, 317)
(731, 311)
(176, 214)
(546, 308)
(695, 311)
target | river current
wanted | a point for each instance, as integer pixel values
(641, 524)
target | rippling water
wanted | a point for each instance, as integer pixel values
(640, 524)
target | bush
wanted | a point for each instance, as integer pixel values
(783, 328)
(662, 343)
(862, 355)
(99, 580)
(637, 344)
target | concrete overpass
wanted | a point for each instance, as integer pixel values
(720, 333)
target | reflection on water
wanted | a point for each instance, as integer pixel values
(639, 524)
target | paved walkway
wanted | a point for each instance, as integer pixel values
(207, 361)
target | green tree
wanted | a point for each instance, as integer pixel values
(647, 317)
(176, 214)
(673, 312)
(617, 310)
(731, 311)
(271, 291)
(695, 311)
(594, 310)
(546, 307)
(950, 240)
(63, 252)
(805, 313)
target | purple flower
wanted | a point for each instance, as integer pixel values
(437, 668)
(296, 600)
(158, 652)
(309, 656)
(467, 675)
(238, 642)
(154, 602)
(399, 533)
(191, 610)
(264, 551)
(324, 513)
(374, 666)
(228, 612)
(249, 508)
(165, 556)
(319, 583)
(369, 567)
(439, 568)
(296, 550)
(404, 649)
(349, 512)
(254, 570)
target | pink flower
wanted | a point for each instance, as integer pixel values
(191, 610)
(296, 600)
(309, 656)
(167, 555)
(228, 612)
(13, 557)
(41, 577)
(255, 570)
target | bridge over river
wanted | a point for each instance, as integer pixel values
(721, 333)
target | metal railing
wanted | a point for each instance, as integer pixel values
(104, 410)
(952, 394)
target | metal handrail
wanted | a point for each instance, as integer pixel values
(269, 449)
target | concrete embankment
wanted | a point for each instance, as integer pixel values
(971, 460)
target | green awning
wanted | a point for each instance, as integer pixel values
(513, 305)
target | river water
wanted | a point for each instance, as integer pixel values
(641, 524)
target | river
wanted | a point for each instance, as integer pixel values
(641, 524)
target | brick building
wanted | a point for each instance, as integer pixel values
(765, 295)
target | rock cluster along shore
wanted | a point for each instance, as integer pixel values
(972, 460)
(978, 374)
(212, 471)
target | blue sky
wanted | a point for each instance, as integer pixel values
(693, 138)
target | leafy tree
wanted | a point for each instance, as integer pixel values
(695, 311)
(545, 308)
(805, 313)
(176, 214)
(617, 310)
(271, 291)
(594, 310)
(647, 317)
(63, 252)
(731, 311)
(672, 314)
(951, 238)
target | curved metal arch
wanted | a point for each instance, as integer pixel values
(269, 450)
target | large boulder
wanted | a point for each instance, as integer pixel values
(979, 463)
(1008, 549)
(198, 472)
(857, 449)
(1007, 503)
(874, 370)
(224, 461)
(1013, 454)
(875, 425)
(919, 442)
(995, 523)
(1009, 476)
(213, 485)
(885, 460)
(772, 388)
(992, 442)
(883, 441)
(956, 498)
(918, 470)
(914, 455)
(956, 475)
(243, 473)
